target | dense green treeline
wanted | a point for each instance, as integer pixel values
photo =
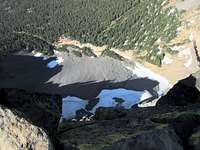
(118, 23)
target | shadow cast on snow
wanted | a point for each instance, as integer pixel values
(31, 73)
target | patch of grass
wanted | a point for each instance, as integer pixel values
(88, 52)
(46, 52)
(105, 141)
(155, 57)
(74, 48)
(175, 116)
(63, 48)
(170, 51)
(112, 54)
(185, 41)
(195, 138)
(77, 53)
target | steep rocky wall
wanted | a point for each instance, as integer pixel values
(42, 110)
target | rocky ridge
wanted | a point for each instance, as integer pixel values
(172, 125)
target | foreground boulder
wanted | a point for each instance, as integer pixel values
(164, 139)
(184, 93)
(43, 110)
(17, 133)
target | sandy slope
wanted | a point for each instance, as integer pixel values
(187, 4)
(180, 67)
(85, 69)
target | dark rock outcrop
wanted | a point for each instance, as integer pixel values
(43, 110)
(38, 109)
(82, 113)
(103, 113)
(161, 139)
(194, 140)
(184, 93)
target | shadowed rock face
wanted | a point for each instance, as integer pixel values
(78, 77)
(42, 110)
(184, 93)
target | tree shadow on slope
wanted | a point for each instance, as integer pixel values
(90, 90)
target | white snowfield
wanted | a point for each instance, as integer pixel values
(54, 63)
(106, 98)
(143, 72)
(130, 97)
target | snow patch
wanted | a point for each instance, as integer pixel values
(167, 60)
(54, 63)
(177, 48)
(188, 63)
(187, 54)
(60, 60)
(149, 104)
(179, 29)
(106, 98)
(38, 54)
(70, 105)
(191, 37)
(57, 52)
(145, 95)
(143, 72)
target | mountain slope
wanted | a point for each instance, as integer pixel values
(135, 24)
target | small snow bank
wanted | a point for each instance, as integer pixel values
(149, 104)
(38, 54)
(187, 54)
(177, 48)
(54, 63)
(143, 72)
(167, 61)
(70, 105)
(107, 98)
(145, 95)
(51, 64)
(191, 37)
(188, 63)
